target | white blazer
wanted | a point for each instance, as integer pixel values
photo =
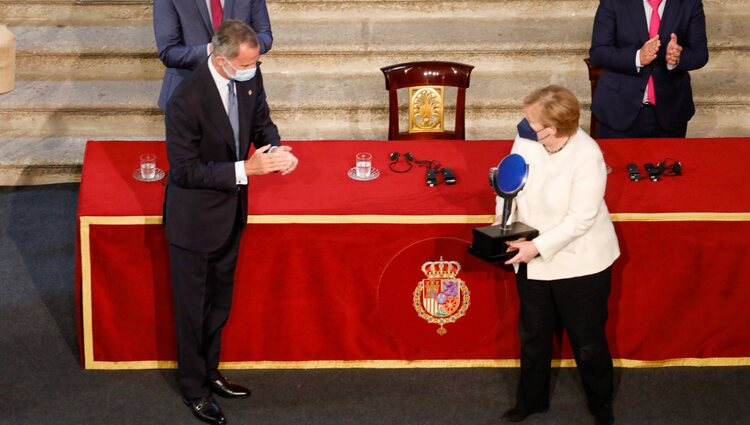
(564, 199)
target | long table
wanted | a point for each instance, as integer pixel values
(329, 267)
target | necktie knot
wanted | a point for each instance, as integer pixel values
(654, 3)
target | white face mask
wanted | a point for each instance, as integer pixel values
(240, 74)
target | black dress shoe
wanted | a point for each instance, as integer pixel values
(226, 389)
(604, 416)
(206, 409)
(517, 414)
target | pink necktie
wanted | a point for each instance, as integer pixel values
(217, 13)
(653, 29)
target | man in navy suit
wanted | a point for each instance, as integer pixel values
(211, 121)
(636, 63)
(183, 31)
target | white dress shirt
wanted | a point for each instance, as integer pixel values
(222, 84)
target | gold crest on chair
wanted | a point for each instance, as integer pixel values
(427, 82)
(426, 109)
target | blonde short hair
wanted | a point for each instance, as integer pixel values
(558, 107)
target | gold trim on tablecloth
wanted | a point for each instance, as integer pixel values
(88, 339)
(688, 216)
(86, 306)
(422, 364)
(417, 219)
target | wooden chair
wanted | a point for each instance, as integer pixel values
(594, 73)
(426, 82)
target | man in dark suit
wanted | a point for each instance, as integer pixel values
(183, 31)
(211, 120)
(645, 89)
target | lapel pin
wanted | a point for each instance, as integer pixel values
(249, 92)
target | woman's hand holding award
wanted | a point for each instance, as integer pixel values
(490, 242)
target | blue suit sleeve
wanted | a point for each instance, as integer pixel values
(605, 51)
(261, 23)
(170, 42)
(694, 43)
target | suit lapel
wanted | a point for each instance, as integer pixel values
(205, 16)
(638, 16)
(671, 11)
(246, 94)
(229, 9)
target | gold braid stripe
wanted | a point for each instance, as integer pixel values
(422, 364)
(86, 306)
(416, 219)
(690, 216)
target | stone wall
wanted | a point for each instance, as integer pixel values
(89, 70)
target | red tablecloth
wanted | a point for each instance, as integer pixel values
(328, 265)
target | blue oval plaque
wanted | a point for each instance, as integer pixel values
(511, 174)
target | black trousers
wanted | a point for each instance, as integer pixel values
(645, 126)
(581, 304)
(202, 285)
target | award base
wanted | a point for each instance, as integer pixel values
(489, 242)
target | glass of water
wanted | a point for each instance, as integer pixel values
(148, 166)
(364, 165)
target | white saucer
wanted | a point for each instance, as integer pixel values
(352, 173)
(158, 176)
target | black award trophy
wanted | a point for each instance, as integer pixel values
(489, 242)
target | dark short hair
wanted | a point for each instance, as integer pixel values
(230, 35)
(559, 108)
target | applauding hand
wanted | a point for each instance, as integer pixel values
(649, 50)
(674, 50)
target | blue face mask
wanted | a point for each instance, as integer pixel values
(527, 132)
(241, 74)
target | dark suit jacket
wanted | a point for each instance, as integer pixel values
(183, 28)
(620, 29)
(201, 198)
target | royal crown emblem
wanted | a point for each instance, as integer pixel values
(441, 297)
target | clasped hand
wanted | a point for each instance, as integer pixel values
(262, 162)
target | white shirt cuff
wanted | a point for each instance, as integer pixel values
(638, 65)
(671, 67)
(239, 172)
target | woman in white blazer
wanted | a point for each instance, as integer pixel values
(566, 271)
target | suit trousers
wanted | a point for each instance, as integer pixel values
(645, 126)
(580, 303)
(202, 286)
